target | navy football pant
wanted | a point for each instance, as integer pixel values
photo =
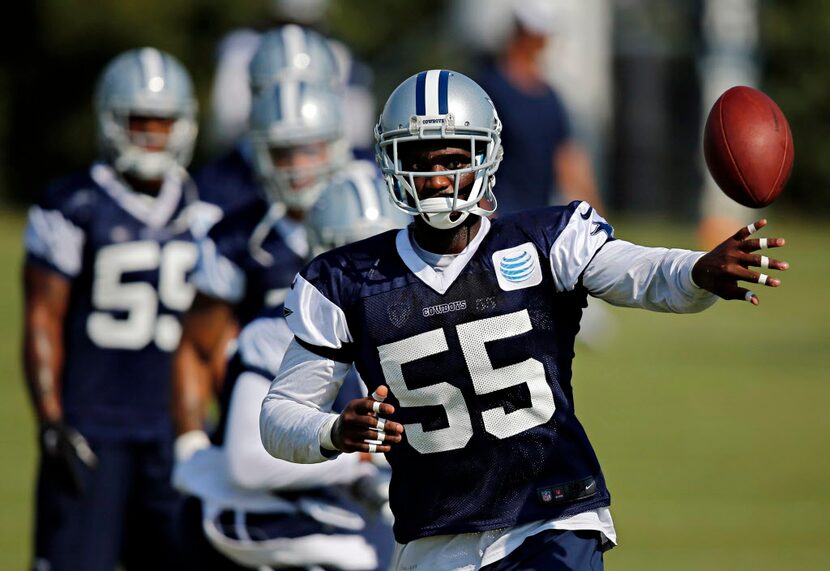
(554, 550)
(127, 513)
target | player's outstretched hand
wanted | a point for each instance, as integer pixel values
(720, 270)
(362, 427)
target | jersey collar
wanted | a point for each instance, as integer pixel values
(440, 281)
(155, 211)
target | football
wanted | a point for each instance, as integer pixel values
(748, 146)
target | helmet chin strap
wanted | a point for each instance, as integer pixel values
(445, 220)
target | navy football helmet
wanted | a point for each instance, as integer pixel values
(443, 105)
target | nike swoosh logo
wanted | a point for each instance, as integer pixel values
(587, 215)
(589, 486)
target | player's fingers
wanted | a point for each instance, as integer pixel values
(381, 437)
(372, 448)
(763, 262)
(746, 275)
(380, 393)
(754, 244)
(733, 291)
(371, 406)
(384, 425)
(750, 229)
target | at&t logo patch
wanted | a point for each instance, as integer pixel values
(517, 267)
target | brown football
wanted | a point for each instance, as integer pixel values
(748, 146)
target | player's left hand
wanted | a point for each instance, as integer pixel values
(720, 270)
(362, 428)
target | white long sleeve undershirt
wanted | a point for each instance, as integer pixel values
(251, 467)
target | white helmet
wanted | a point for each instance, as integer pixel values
(440, 105)
(150, 83)
(292, 114)
(292, 52)
(354, 206)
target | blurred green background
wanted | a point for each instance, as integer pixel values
(711, 428)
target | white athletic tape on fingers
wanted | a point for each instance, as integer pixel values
(752, 229)
(762, 279)
(376, 407)
(377, 397)
(373, 442)
(764, 262)
(381, 425)
(763, 243)
(380, 436)
(748, 296)
(373, 448)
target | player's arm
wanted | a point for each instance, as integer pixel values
(296, 423)
(198, 362)
(251, 467)
(675, 280)
(64, 449)
(46, 302)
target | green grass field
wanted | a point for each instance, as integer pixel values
(711, 428)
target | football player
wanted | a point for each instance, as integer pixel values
(463, 330)
(292, 514)
(293, 146)
(109, 254)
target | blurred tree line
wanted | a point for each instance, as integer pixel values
(53, 50)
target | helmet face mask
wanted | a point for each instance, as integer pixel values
(146, 84)
(296, 130)
(445, 106)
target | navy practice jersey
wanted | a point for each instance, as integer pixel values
(248, 271)
(129, 258)
(478, 363)
(229, 181)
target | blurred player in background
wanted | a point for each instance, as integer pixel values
(236, 276)
(545, 160)
(294, 515)
(232, 183)
(546, 164)
(109, 254)
(231, 100)
(295, 145)
(463, 328)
